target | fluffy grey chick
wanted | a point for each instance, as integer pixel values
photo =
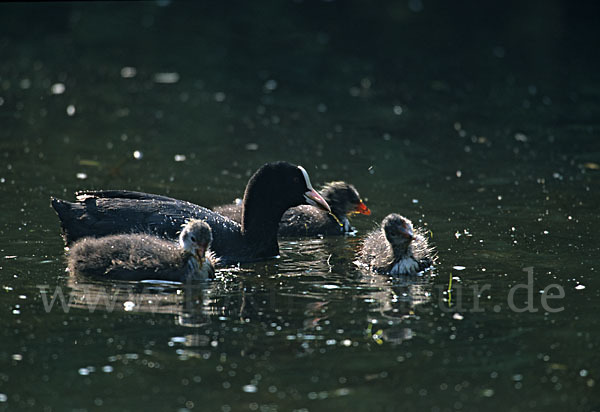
(140, 256)
(396, 248)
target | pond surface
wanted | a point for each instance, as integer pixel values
(478, 122)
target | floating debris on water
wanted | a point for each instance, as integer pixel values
(591, 166)
(86, 162)
(520, 137)
(166, 78)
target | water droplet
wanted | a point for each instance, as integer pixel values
(180, 158)
(398, 110)
(137, 155)
(250, 388)
(270, 85)
(220, 97)
(488, 393)
(71, 110)
(57, 88)
(81, 176)
(354, 91)
(128, 72)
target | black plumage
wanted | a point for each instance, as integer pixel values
(342, 197)
(273, 189)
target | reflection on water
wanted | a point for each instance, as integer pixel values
(483, 130)
(180, 300)
(239, 295)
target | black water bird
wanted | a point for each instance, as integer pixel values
(342, 197)
(273, 189)
(141, 256)
(397, 248)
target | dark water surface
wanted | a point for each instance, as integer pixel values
(480, 122)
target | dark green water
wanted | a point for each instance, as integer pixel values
(479, 121)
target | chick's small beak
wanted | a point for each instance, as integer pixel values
(313, 198)
(200, 251)
(362, 209)
(407, 232)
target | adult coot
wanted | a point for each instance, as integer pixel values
(273, 189)
(140, 256)
(342, 197)
(396, 249)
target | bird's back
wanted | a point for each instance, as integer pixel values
(128, 257)
(103, 213)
